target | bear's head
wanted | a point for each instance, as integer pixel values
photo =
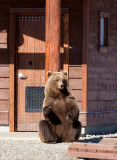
(57, 83)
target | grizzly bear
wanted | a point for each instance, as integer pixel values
(60, 111)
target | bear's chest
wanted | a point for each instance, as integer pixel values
(59, 105)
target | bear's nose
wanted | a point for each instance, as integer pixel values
(62, 86)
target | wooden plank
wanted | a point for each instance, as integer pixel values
(92, 150)
(77, 94)
(3, 121)
(4, 62)
(108, 84)
(102, 95)
(4, 45)
(4, 114)
(75, 59)
(3, 37)
(4, 71)
(75, 83)
(4, 118)
(4, 105)
(104, 118)
(97, 106)
(75, 72)
(98, 118)
(79, 105)
(27, 11)
(100, 61)
(12, 72)
(85, 52)
(4, 94)
(102, 72)
(93, 146)
(66, 42)
(4, 23)
(4, 82)
(33, 11)
(92, 155)
(4, 53)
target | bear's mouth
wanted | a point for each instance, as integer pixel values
(64, 91)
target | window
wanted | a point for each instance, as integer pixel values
(103, 34)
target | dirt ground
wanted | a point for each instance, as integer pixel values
(27, 146)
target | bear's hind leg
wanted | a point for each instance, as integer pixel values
(74, 132)
(45, 132)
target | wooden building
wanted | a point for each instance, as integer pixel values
(79, 36)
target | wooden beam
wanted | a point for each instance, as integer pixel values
(85, 53)
(66, 42)
(12, 74)
(53, 28)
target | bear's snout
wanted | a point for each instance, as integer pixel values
(61, 85)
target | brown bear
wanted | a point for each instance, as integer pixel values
(60, 111)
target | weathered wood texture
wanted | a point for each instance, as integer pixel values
(4, 118)
(12, 72)
(4, 95)
(105, 149)
(32, 50)
(85, 53)
(102, 72)
(53, 30)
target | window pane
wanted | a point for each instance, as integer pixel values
(102, 32)
(106, 31)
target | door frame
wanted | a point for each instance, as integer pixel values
(12, 55)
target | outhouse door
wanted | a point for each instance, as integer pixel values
(30, 68)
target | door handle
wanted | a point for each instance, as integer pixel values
(21, 76)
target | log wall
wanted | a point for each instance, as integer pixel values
(102, 66)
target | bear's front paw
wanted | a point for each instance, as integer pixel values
(70, 117)
(51, 116)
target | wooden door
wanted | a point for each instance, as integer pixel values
(30, 67)
(30, 64)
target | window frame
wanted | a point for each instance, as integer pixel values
(105, 47)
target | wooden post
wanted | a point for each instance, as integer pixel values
(66, 42)
(85, 53)
(53, 27)
(12, 74)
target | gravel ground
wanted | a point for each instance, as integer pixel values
(25, 146)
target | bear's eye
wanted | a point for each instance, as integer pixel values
(57, 80)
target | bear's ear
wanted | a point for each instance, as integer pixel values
(65, 73)
(49, 73)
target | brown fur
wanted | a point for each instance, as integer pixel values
(60, 110)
